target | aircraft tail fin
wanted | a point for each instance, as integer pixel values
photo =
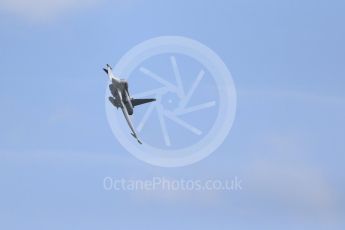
(136, 102)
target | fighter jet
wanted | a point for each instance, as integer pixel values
(120, 98)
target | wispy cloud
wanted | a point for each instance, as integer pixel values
(43, 10)
(304, 96)
(281, 181)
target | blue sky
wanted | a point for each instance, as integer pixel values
(287, 141)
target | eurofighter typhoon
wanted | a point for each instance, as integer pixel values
(120, 98)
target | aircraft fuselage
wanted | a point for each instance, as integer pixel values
(119, 90)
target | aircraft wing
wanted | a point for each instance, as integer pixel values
(125, 113)
(136, 102)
